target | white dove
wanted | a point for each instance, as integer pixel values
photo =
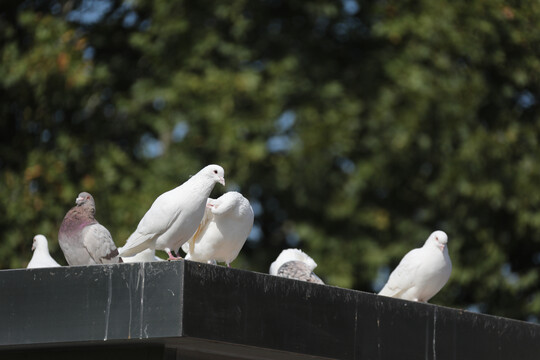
(422, 272)
(175, 215)
(223, 231)
(295, 264)
(41, 257)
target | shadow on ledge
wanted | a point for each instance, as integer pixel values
(187, 310)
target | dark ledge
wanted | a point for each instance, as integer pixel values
(187, 310)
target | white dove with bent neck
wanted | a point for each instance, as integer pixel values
(225, 226)
(422, 272)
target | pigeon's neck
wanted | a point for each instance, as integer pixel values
(224, 207)
(445, 252)
(431, 243)
(433, 246)
(243, 209)
(200, 186)
(78, 218)
(42, 250)
(89, 210)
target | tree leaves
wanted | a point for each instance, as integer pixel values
(356, 130)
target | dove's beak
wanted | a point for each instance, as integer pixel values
(79, 199)
(441, 246)
(222, 180)
(33, 246)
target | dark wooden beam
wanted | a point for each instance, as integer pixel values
(187, 310)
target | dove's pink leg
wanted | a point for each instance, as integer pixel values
(171, 256)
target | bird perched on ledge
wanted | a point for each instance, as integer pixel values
(41, 257)
(422, 272)
(175, 215)
(83, 240)
(295, 264)
(225, 226)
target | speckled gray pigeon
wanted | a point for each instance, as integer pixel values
(295, 264)
(298, 270)
(83, 239)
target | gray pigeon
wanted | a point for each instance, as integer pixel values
(83, 240)
(175, 215)
(295, 264)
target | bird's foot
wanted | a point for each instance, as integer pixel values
(171, 256)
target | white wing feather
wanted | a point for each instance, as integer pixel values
(154, 223)
(402, 278)
(189, 246)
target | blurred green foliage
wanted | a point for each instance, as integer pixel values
(355, 128)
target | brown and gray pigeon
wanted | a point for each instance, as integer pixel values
(295, 264)
(83, 240)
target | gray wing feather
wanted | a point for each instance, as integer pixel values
(99, 243)
(299, 271)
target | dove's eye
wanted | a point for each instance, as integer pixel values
(215, 171)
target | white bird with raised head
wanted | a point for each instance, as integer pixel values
(422, 272)
(175, 215)
(41, 257)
